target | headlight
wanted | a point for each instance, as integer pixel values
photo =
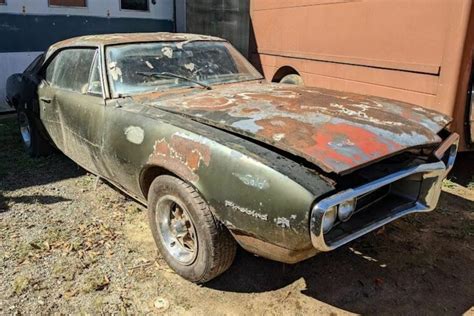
(329, 219)
(346, 209)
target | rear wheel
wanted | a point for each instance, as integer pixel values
(33, 142)
(190, 239)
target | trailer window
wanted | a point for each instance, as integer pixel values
(137, 5)
(68, 3)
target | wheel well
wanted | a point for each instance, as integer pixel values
(150, 174)
(284, 71)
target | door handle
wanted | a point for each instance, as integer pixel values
(46, 100)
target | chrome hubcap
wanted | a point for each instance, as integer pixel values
(25, 129)
(177, 229)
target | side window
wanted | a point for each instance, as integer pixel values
(70, 69)
(95, 84)
(64, 68)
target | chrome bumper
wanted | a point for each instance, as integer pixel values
(417, 189)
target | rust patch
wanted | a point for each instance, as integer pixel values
(251, 110)
(181, 155)
(335, 130)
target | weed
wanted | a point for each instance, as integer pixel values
(447, 183)
(20, 284)
(470, 185)
(67, 268)
(95, 281)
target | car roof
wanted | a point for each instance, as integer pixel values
(124, 38)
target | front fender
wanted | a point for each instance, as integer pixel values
(247, 195)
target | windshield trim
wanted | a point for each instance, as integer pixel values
(177, 89)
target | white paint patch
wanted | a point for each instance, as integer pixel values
(282, 222)
(362, 115)
(232, 205)
(115, 71)
(180, 45)
(278, 123)
(190, 66)
(135, 134)
(342, 143)
(363, 107)
(167, 51)
(278, 137)
(149, 65)
(252, 181)
(195, 138)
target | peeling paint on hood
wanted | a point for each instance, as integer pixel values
(337, 131)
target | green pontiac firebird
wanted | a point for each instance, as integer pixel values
(184, 124)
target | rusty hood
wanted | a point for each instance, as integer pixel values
(336, 131)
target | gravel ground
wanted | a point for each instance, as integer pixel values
(70, 244)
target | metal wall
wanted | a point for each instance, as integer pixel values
(416, 51)
(229, 19)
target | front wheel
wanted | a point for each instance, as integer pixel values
(190, 239)
(33, 142)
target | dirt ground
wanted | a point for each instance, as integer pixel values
(70, 244)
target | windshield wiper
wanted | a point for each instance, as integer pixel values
(171, 75)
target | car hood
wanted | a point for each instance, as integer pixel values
(334, 130)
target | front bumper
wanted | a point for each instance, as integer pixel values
(413, 190)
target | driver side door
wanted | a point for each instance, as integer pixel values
(72, 105)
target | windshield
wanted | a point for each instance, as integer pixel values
(144, 67)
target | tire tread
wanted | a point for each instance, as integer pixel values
(224, 253)
(223, 246)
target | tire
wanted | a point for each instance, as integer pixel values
(191, 240)
(292, 79)
(34, 143)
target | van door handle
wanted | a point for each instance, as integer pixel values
(46, 100)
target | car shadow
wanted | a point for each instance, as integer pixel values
(463, 170)
(18, 171)
(30, 199)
